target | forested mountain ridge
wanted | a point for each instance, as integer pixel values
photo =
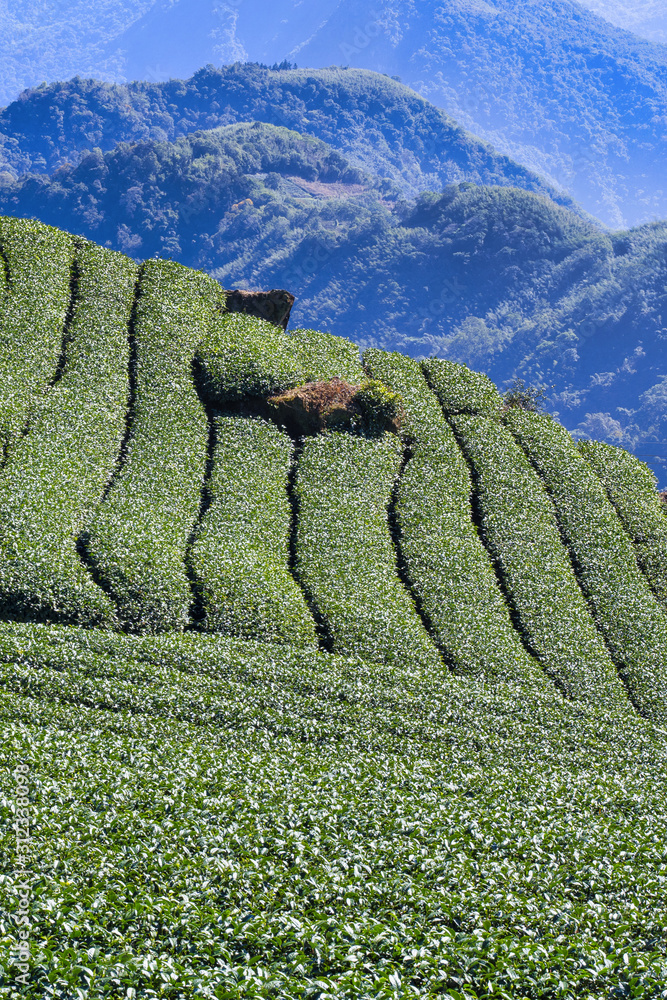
(549, 83)
(554, 86)
(381, 124)
(497, 277)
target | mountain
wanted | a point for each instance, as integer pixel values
(552, 85)
(492, 276)
(643, 17)
(360, 710)
(385, 127)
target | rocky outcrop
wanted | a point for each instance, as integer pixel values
(274, 306)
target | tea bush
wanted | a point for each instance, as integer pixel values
(240, 556)
(460, 390)
(449, 569)
(324, 356)
(137, 542)
(521, 531)
(628, 614)
(345, 558)
(216, 818)
(631, 487)
(38, 267)
(243, 356)
(55, 476)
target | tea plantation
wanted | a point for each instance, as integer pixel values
(374, 712)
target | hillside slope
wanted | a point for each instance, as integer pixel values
(383, 126)
(550, 84)
(494, 277)
(643, 17)
(359, 712)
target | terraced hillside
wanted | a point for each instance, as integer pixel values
(372, 711)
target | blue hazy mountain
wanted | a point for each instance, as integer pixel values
(382, 125)
(551, 84)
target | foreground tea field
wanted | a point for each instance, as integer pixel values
(356, 714)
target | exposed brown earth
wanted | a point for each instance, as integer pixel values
(317, 406)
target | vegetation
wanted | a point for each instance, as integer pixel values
(56, 474)
(449, 569)
(630, 486)
(451, 796)
(240, 556)
(492, 277)
(36, 263)
(382, 126)
(345, 559)
(137, 542)
(241, 356)
(628, 614)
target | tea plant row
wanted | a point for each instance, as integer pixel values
(37, 272)
(138, 541)
(631, 487)
(345, 557)
(447, 564)
(522, 533)
(55, 476)
(240, 556)
(628, 614)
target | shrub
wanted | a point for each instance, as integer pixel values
(381, 408)
(137, 542)
(521, 531)
(244, 356)
(38, 264)
(325, 356)
(345, 559)
(524, 397)
(631, 487)
(460, 390)
(625, 609)
(56, 475)
(240, 557)
(449, 569)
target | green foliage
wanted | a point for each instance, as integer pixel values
(56, 474)
(631, 487)
(522, 533)
(242, 356)
(449, 569)
(240, 555)
(325, 356)
(211, 818)
(37, 268)
(137, 542)
(460, 390)
(345, 559)
(525, 397)
(625, 609)
(380, 407)
(383, 128)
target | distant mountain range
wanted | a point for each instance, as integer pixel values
(501, 278)
(382, 125)
(550, 84)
